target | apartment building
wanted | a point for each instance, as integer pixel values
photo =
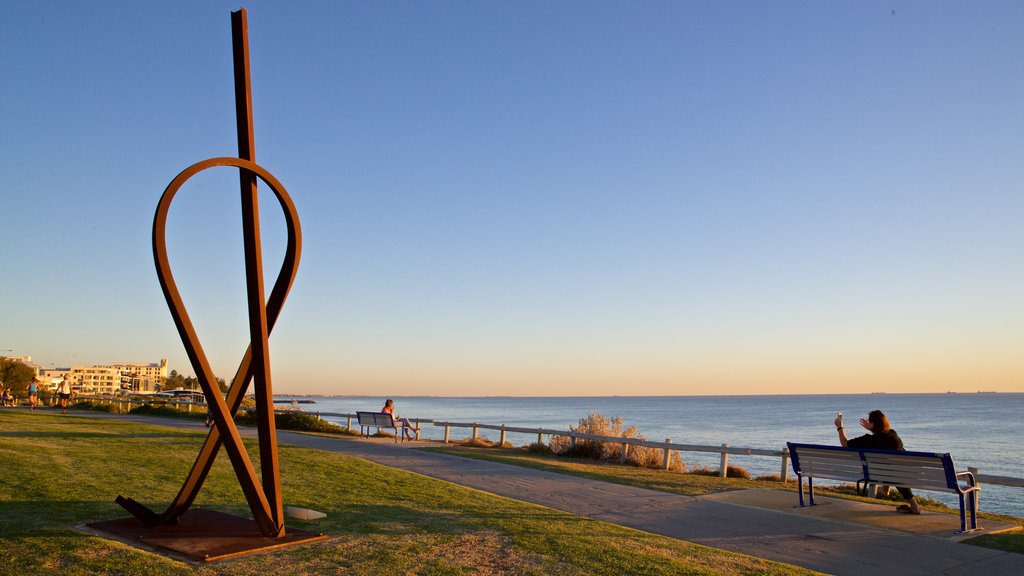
(94, 379)
(142, 378)
(135, 377)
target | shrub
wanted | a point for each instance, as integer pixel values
(167, 411)
(94, 406)
(539, 448)
(300, 421)
(730, 472)
(475, 443)
(737, 472)
(600, 425)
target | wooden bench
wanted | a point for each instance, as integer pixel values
(379, 420)
(924, 470)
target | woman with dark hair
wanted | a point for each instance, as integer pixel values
(881, 436)
(389, 408)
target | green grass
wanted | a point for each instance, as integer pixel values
(62, 471)
(662, 480)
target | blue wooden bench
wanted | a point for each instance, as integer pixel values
(924, 470)
(379, 420)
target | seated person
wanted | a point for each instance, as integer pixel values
(8, 400)
(389, 408)
(885, 438)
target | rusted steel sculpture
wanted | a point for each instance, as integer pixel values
(263, 497)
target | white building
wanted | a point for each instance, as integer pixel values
(110, 379)
(142, 378)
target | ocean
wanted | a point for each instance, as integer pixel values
(980, 430)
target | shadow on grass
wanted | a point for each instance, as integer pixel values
(85, 435)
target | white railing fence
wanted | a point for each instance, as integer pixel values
(125, 404)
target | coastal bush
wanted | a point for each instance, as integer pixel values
(477, 443)
(539, 448)
(298, 421)
(737, 472)
(601, 425)
(95, 406)
(730, 472)
(167, 412)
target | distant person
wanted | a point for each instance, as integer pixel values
(389, 408)
(33, 394)
(881, 436)
(64, 394)
(8, 400)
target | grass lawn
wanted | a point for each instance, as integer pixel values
(59, 472)
(663, 480)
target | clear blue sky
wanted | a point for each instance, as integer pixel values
(531, 198)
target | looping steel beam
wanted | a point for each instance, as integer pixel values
(222, 410)
(263, 498)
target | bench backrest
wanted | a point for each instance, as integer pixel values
(378, 419)
(928, 470)
(911, 469)
(826, 462)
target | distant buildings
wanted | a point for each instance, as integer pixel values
(130, 376)
(140, 378)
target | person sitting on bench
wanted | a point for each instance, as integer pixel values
(881, 436)
(389, 408)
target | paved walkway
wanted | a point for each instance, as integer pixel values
(836, 537)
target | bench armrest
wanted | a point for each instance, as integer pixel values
(972, 482)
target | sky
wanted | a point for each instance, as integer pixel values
(530, 198)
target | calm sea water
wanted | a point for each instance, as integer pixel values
(979, 430)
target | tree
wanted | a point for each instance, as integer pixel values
(16, 376)
(176, 380)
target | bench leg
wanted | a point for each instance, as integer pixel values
(800, 489)
(810, 490)
(974, 509)
(972, 502)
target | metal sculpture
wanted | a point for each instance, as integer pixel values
(263, 496)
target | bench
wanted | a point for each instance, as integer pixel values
(379, 420)
(924, 470)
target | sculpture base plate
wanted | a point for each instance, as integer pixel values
(202, 536)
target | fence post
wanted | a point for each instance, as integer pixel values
(784, 474)
(664, 461)
(474, 430)
(446, 432)
(625, 452)
(348, 422)
(725, 462)
(540, 437)
(502, 442)
(572, 442)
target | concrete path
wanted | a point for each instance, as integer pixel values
(836, 537)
